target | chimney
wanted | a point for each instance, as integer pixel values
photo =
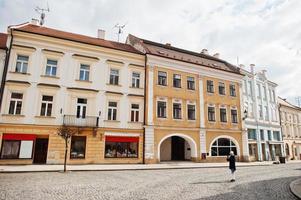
(35, 21)
(101, 34)
(204, 51)
(252, 68)
(168, 44)
(216, 55)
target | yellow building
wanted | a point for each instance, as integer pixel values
(192, 107)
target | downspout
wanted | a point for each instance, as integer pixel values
(281, 128)
(5, 68)
(144, 108)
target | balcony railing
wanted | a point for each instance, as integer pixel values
(73, 120)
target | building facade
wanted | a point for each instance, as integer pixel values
(3, 51)
(262, 120)
(193, 109)
(92, 85)
(291, 129)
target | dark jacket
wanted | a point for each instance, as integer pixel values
(231, 160)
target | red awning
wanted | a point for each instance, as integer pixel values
(18, 137)
(121, 139)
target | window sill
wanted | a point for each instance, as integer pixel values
(137, 88)
(162, 85)
(12, 72)
(180, 119)
(114, 85)
(191, 120)
(45, 117)
(210, 93)
(211, 122)
(121, 157)
(48, 76)
(135, 122)
(116, 121)
(162, 118)
(84, 81)
(223, 95)
(77, 158)
(191, 90)
(11, 115)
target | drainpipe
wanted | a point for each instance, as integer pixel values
(283, 152)
(144, 122)
(5, 68)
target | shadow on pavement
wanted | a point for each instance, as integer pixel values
(208, 182)
(268, 189)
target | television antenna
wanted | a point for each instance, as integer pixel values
(42, 11)
(119, 27)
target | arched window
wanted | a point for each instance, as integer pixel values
(222, 147)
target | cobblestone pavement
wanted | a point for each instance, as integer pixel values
(262, 182)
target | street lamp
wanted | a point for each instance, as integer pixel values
(245, 115)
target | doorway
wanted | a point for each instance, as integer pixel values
(177, 148)
(40, 152)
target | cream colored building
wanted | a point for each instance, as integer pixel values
(57, 78)
(291, 128)
(193, 109)
(3, 50)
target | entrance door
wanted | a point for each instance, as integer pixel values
(177, 148)
(81, 108)
(40, 152)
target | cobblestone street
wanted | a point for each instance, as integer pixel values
(263, 182)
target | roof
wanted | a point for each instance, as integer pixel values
(45, 31)
(3, 39)
(283, 102)
(183, 55)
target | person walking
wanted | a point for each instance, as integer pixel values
(232, 167)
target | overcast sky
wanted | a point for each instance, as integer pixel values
(266, 33)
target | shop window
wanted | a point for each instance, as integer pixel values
(177, 80)
(190, 83)
(222, 147)
(78, 147)
(162, 78)
(15, 104)
(121, 147)
(22, 64)
(51, 67)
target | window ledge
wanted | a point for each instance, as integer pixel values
(191, 90)
(210, 93)
(45, 117)
(139, 88)
(115, 121)
(135, 122)
(83, 81)
(181, 119)
(48, 76)
(10, 115)
(114, 85)
(191, 120)
(161, 85)
(12, 72)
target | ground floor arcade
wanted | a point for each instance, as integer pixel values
(293, 149)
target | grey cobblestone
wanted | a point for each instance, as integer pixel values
(264, 182)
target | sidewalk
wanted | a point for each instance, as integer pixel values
(295, 187)
(116, 167)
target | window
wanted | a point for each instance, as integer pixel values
(78, 147)
(51, 67)
(191, 112)
(245, 88)
(234, 116)
(250, 110)
(223, 114)
(112, 111)
(259, 91)
(269, 135)
(266, 117)
(177, 80)
(15, 105)
(222, 147)
(273, 92)
(177, 114)
(261, 134)
(210, 86)
(22, 64)
(46, 106)
(250, 88)
(211, 114)
(135, 113)
(135, 80)
(162, 78)
(10, 149)
(84, 72)
(161, 109)
(276, 135)
(232, 90)
(81, 108)
(121, 147)
(190, 83)
(114, 77)
(260, 111)
(221, 88)
(252, 134)
(264, 93)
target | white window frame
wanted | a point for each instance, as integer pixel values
(135, 110)
(222, 83)
(234, 108)
(51, 67)
(16, 102)
(47, 105)
(22, 62)
(118, 75)
(211, 106)
(177, 101)
(191, 104)
(136, 79)
(162, 99)
(223, 107)
(112, 108)
(85, 71)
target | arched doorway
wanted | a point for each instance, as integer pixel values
(176, 147)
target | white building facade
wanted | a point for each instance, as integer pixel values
(262, 120)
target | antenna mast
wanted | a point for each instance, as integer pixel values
(120, 27)
(42, 11)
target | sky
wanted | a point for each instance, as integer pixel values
(266, 33)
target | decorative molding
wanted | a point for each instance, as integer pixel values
(91, 58)
(23, 47)
(18, 82)
(53, 52)
(83, 89)
(48, 85)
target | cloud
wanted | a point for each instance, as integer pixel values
(264, 32)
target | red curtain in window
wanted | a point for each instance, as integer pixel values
(18, 137)
(121, 139)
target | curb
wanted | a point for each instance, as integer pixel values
(293, 188)
(131, 169)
